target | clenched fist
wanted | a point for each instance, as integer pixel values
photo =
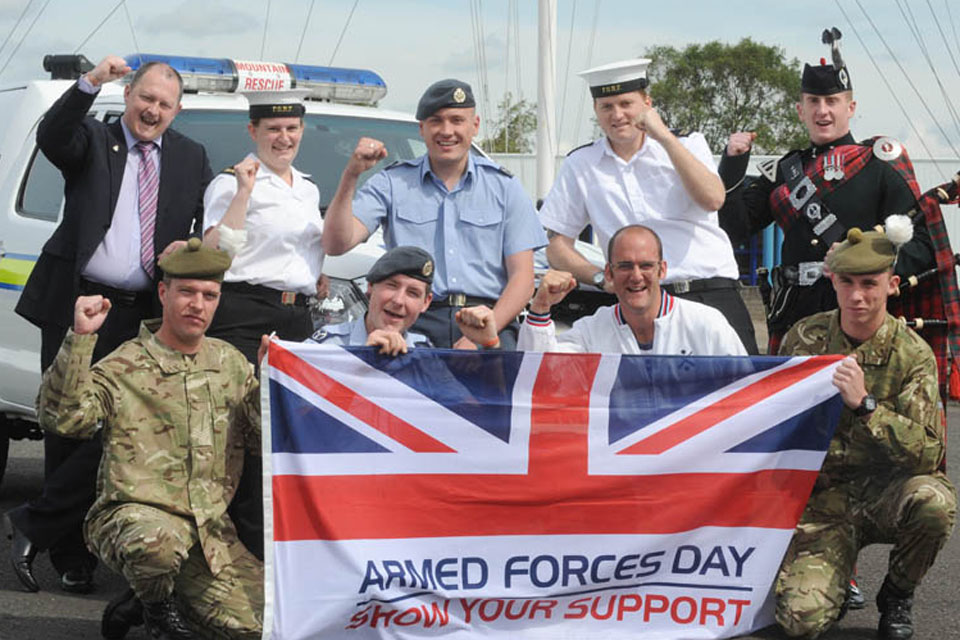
(89, 313)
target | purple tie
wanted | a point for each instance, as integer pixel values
(148, 179)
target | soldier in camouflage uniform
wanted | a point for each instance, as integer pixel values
(880, 480)
(177, 410)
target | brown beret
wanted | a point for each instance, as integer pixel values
(862, 252)
(196, 262)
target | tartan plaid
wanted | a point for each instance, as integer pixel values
(855, 158)
(934, 298)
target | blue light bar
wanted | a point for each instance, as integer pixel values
(185, 64)
(336, 84)
(336, 75)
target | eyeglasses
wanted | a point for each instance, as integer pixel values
(627, 267)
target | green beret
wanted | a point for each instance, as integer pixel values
(409, 261)
(862, 252)
(196, 262)
(443, 94)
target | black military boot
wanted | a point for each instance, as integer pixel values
(894, 606)
(120, 614)
(855, 597)
(164, 621)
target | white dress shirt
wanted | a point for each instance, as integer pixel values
(597, 187)
(283, 226)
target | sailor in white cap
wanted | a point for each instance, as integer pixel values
(266, 213)
(641, 172)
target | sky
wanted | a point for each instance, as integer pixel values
(412, 43)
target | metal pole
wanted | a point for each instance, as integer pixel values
(546, 95)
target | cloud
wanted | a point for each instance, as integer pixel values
(464, 61)
(202, 20)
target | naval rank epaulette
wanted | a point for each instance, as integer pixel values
(229, 170)
(502, 169)
(680, 133)
(309, 179)
(575, 149)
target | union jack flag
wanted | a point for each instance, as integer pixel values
(372, 460)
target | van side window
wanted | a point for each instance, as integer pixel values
(41, 193)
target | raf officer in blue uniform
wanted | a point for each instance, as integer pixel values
(474, 216)
(399, 291)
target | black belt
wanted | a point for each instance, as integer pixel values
(461, 300)
(268, 293)
(120, 297)
(704, 284)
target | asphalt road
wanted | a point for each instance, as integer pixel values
(53, 614)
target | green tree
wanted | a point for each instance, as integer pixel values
(513, 129)
(717, 89)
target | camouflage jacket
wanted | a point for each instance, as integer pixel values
(905, 435)
(174, 426)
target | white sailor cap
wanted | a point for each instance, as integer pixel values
(276, 104)
(617, 77)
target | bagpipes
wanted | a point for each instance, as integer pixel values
(928, 302)
(938, 320)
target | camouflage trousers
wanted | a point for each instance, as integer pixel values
(159, 554)
(916, 514)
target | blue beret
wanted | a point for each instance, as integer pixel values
(443, 94)
(409, 261)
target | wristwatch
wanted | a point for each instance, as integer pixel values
(598, 279)
(867, 406)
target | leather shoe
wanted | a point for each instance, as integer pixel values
(896, 621)
(77, 580)
(163, 620)
(120, 614)
(22, 553)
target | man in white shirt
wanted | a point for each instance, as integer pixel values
(641, 172)
(646, 320)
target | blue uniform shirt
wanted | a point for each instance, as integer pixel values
(470, 230)
(354, 334)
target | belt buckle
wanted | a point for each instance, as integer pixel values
(288, 297)
(457, 299)
(681, 286)
(808, 273)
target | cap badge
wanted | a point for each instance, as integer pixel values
(428, 265)
(459, 96)
(843, 78)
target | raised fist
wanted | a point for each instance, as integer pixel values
(89, 313)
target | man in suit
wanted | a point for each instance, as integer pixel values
(132, 188)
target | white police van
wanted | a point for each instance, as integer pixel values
(340, 108)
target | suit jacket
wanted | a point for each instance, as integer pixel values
(92, 157)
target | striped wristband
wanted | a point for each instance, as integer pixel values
(538, 319)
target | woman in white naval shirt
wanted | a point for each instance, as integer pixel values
(267, 214)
